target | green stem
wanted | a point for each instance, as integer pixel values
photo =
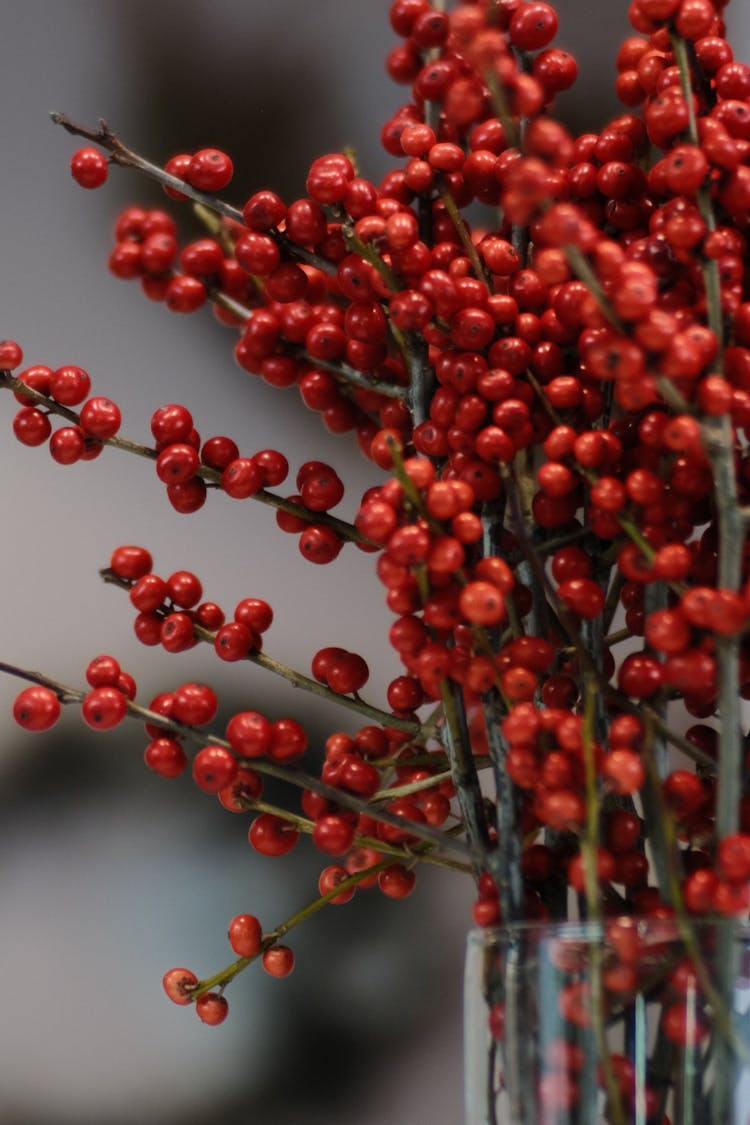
(223, 978)
(463, 233)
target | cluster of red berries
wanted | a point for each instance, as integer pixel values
(64, 387)
(248, 942)
(561, 400)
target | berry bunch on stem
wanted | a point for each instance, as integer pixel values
(542, 343)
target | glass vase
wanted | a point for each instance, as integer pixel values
(633, 1022)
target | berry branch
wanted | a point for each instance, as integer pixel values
(543, 341)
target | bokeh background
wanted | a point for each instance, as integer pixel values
(109, 876)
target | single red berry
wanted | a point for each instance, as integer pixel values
(264, 210)
(38, 378)
(36, 708)
(67, 445)
(214, 768)
(166, 757)
(187, 496)
(240, 794)
(233, 641)
(179, 984)
(333, 834)
(103, 671)
(209, 170)
(217, 452)
(397, 881)
(288, 741)
(11, 355)
(131, 562)
(184, 589)
(104, 707)
(330, 878)
(194, 703)
(149, 591)
(242, 478)
(245, 935)
(69, 385)
(346, 673)
(177, 463)
(249, 733)
(31, 426)
(270, 835)
(170, 424)
(211, 1008)
(255, 613)
(176, 633)
(89, 167)
(100, 417)
(278, 961)
(185, 294)
(320, 544)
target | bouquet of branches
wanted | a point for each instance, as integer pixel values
(541, 342)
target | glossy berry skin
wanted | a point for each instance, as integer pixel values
(233, 641)
(104, 707)
(131, 562)
(211, 1008)
(36, 708)
(177, 463)
(194, 703)
(100, 417)
(250, 734)
(11, 355)
(103, 671)
(178, 985)
(166, 757)
(245, 935)
(272, 836)
(31, 426)
(89, 167)
(278, 961)
(209, 170)
(69, 385)
(214, 768)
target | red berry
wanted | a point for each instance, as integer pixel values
(131, 562)
(234, 641)
(36, 708)
(31, 426)
(100, 417)
(194, 703)
(103, 671)
(270, 835)
(165, 756)
(69, 385)
(214, 768)
(245, 935)
(397, 881)
(209, 170)
(11, 355)
(250, 733)
(532, 26)
(178, 985)
(278, 961)
(104, 707)
(89, 167)
(211, 1008)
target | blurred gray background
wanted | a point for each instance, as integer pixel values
(109, 876)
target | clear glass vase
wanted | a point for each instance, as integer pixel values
(635, 1022)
